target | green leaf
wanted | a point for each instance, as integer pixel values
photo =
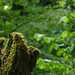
(38, 38)
(72, 70)
(72, 14)
(66, 58)
(62, 4)
(70, 56)
(51, 47)
(64, 19)
(40, 60)
(47, 39)
(7, 7)
(56, 47)
(52, 38)
(65, 34)
(38, 35)
(61, 45)
(41, 63)
(74, 60)
(42, 66)
(72, 34)
(64, 54)
(71, 48)
(59, 52)
(35, 36)
(67, 70)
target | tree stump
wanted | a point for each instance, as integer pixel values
(18, 58)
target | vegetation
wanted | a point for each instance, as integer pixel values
(46, 24)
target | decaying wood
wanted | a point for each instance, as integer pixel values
(18, 58)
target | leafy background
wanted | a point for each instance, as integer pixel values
(48, 25)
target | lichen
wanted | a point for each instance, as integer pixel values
(18, 58)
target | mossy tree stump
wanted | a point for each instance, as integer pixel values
(17, 57)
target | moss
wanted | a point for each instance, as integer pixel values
(2, 39)
(18, 58)
(34, 52)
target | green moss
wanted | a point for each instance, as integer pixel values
(18, 58)
(2, 39)
(34, 52)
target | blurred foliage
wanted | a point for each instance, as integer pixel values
(50, 26)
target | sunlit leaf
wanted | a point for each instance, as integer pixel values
(47, 39)
(61, 45)
(52, 38)
(40, 60)
(66, 58)
(72, 14)
(6, 7)
(38, 38)
(70, 56)
(35, 36)
(72, 70)
(47, 60)
(64, 19)
(42, 66)
(38, 35)
(41, 63)
(65, 34)
(66, 48)
(67, 70)
(59, 52)
(63, 3)
(64, 54)
(51, 47)
(72, 34)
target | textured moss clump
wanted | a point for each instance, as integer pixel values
(18, 58)
(2, 39)
(1, 45)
